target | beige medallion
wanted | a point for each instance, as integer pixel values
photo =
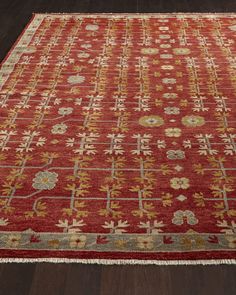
(151, 121)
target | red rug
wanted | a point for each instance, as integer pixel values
(117, 140)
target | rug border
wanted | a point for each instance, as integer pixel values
(139, 14)
(102, 260)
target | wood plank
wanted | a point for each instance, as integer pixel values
(49, 279)
(135, 280)
(16, 278)
(83, 280)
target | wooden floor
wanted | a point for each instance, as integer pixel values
(70, 279)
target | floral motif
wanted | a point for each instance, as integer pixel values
(181, 51)
(45, 180)
(163, 28)
(145, 242)
(179, 183)
(192, 240)
(59, 128)
(76, 79)
(83, 55)
(149, 50)
(169, 80)
(170, 95)
(181, 198)
(78, 241)
(165, 45)
(193, 121)
(181, 216)
(231, 241)
(151, 121)
(86, 46)
(172, 110)
(167, 67)
(175, 154)
(13, 241)
(65, 111)
(173, 132)
(91, 27)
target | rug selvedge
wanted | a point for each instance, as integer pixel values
(117, 134)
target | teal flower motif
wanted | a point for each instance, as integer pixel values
(45, 180)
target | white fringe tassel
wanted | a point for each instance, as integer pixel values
(120, 261)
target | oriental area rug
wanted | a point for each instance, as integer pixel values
(118, 140)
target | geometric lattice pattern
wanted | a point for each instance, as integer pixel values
(118, 139)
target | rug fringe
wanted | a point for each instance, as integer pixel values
(120, 261)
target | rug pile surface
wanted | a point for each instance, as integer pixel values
(117, 140)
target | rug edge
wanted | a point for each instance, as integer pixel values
(120, 261)
(108, 14)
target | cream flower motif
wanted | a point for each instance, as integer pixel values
(181, 198)
(165, 45)
(180, 216)
(78, 241)
(167, 67)
(76, 79)
(149, 50)
(169, 80)
(145, 242)
(171, 110)
(170, 95)
(45, 180)
(65, 111)
(83, 55)
(163, 28)
(181, 51)
(175, 154)
(179, 183)
(193, 121)
(231, 241)
(178, 168)
(173, 132)
(151, 121)
(59, 128)
(91, 27)
(86, 46)
(13, 241)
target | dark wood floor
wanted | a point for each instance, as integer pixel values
(70, 279)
